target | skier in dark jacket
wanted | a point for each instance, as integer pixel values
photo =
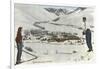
(19, 45)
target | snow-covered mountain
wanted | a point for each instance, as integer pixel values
(64, 11)
(26, 15)
(40, 17)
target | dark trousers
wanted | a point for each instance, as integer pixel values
(89, 44)
(19, 53)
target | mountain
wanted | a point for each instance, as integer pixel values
(66, 19)
(64, 11)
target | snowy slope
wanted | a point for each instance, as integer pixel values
(74, 21)
(26, 15)
(76, 18)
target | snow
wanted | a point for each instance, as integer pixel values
(57, 52)
(27, 17)
(48, 52)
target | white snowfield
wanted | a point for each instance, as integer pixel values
(56, 53)
(27, 15)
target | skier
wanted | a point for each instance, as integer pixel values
(19, 45)
(87, 33)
